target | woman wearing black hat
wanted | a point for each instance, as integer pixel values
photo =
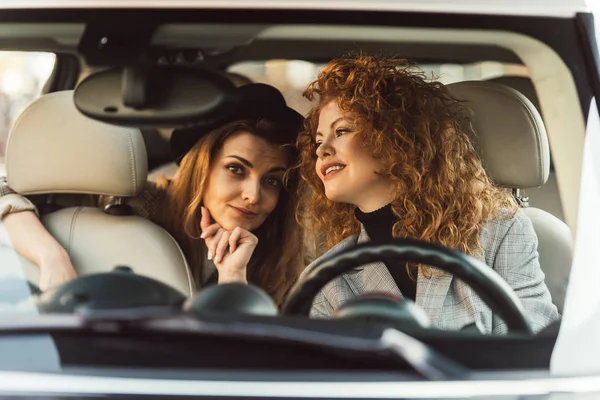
(229, 205)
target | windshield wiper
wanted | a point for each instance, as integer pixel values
(421, 357)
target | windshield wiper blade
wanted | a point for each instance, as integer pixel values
(421, 357)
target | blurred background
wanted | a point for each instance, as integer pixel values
(22, 77)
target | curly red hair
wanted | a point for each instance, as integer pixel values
(443, 194)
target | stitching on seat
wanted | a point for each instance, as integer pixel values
(72, 230)
(539, 145)
(537, 136)
(132, 162)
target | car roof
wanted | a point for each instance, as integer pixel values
(554, 8)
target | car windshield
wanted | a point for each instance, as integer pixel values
(354, 189)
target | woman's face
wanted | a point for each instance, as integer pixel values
(346, 168)
(245, 181)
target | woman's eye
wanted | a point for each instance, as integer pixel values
(236, 169)
(276, 183)
(341, 131)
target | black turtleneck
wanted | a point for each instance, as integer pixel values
(378, 225)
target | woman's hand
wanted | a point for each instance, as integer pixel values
(55, 269)
(229, 250)
(31, 240)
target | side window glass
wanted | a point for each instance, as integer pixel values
(22, 78)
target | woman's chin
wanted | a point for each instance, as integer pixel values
(337, 197)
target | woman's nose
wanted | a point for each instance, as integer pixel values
(251, 192)
(325, 149)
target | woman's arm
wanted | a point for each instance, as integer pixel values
(30, 239)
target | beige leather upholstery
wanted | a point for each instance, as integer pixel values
(140, 244)
(546, 197)
(511, 134)
(55, 149)
(521, 84)
(556, 251)
(75, 154)
(514, 148)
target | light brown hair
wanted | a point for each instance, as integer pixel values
(277, 260)
(443, 194)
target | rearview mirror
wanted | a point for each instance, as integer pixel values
(157, 96)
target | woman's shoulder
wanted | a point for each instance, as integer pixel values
(507, 221)
(512, 228)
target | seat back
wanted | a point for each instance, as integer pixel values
(54, 149)
(514, 148)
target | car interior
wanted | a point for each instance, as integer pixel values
(528, 137)
(515, 163)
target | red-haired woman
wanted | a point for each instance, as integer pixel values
(384, 155)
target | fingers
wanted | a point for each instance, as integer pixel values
(222, 246)
(219, 240)
(205, 220)
(212, 242)
(223, 240)
(234, 239)
(210, 231)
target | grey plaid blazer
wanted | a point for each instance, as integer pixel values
(510, 248)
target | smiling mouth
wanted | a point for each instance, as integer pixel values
(331, 171)
(244, 212)
(334, 168)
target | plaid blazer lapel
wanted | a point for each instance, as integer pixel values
(373, 277)
(432, 292)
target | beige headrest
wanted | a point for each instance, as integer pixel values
(510, 133)
(53, 148)
(521, 84)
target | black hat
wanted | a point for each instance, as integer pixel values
(256, 101)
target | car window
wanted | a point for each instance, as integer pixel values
(22, 78)
(292, 76)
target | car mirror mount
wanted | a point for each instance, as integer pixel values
(138, 90)
(156, 96)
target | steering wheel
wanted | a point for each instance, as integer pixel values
(486, 282)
